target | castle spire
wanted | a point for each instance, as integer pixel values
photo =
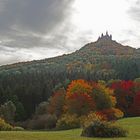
(106, 33)
(105, 37)
(102, 35)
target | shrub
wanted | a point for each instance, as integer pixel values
(68, 121)
(5, 126)
(103, 129)
(17, 128)
(43, 122)
(91, 117)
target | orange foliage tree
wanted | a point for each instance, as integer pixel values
(78, 99)
(83, 97)
(79, 86)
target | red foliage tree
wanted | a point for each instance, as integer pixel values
(136, 105)
(125, 92)
(56, 103)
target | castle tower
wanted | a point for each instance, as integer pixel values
(105, 37)
(111, 37)
(102, 35)
(106, 33)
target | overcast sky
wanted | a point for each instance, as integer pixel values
(37, 29)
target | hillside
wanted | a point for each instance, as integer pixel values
(34, 81)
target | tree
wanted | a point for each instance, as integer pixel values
(78, 99)
(42, 108)
(136, 105)
(79, 86)
(20, 114)
(7, 111)
(125, 92)
(56, 102)
(80, 104)
(103, 96)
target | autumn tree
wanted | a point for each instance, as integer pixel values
(78, 99)
(79, 86)
(125, 92)
(79, 104)
(103, 96)
(56, 103)
(136, 105)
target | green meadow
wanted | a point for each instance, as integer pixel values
(131, 124)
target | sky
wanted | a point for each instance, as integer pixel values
(38, 29)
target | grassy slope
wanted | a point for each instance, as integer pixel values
(132, 124)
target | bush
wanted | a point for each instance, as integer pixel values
(68, 122)
(17, 128)
(103, 129)
(91, 117)
(5, 126)
(43, 122)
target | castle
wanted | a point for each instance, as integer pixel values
(105, 37)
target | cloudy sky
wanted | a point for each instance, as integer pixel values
(37, 29)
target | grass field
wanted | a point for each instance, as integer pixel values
(132, 124)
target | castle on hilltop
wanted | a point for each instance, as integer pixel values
(105, 37)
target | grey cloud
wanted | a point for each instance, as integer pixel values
(125, 41)
(23, 23)
(33, 15)
(134, 11)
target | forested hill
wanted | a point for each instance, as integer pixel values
(32, 82)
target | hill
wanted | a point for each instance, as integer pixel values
(34, 81)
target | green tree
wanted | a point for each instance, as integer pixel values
(7, 111)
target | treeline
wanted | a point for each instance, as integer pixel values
(79, 97)
(87, 100)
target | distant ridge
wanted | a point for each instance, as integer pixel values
(103, 46)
